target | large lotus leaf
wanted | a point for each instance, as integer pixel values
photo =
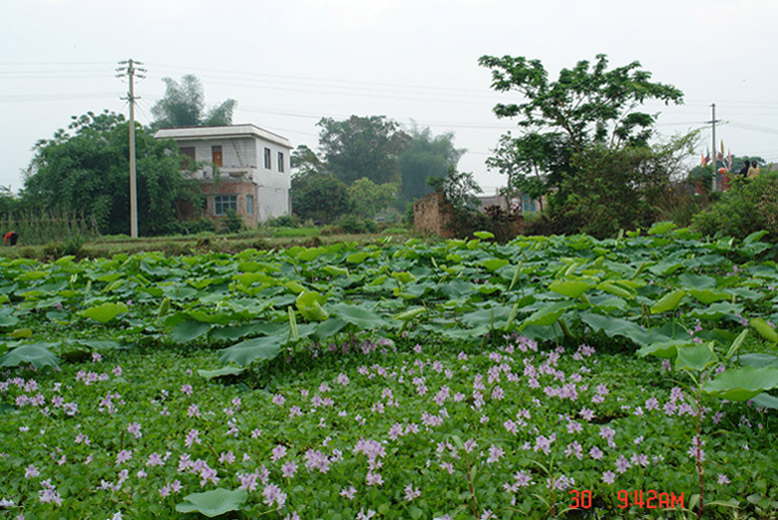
(105, 312)
(668, 302)
(715, 311)
(329, 328)
(306, 255)
(758, 360)
(741, 384)
(616, 327)
(571, 288)
(667, 349)
(766, 400)
(7, 319)
(495, 316)
(492, 264)
(661, 228)
(214, 502)
(359, 316)
(691, 281)
(694, 357)
(189, 330)
(547, 315)
(243, 353)
(36, 354)
(310, 303)
(220, 372)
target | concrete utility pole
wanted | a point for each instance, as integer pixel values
(713, 132)
(131, 71)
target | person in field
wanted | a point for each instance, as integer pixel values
(10, 238)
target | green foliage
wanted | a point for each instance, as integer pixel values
(588, 103)
(288, 221)
(584, 141)
(214, 502)
(232, 221)
(748, 206)
(184, 105)
(426, 156)
(368, 199)
(87, 172)
(356, 225)
(458, 188)
(362, 147)
(321, 197)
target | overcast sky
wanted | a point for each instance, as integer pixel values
(289, 63)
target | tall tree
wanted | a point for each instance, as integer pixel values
(184, 105)
(362, 147)
(426, 156)
(320, 197)
(588, 103)
(368, 198)
(85, 169)
(575, 129)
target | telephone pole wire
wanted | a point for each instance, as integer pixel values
(131, 71)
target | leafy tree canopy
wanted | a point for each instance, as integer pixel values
(184, 105)
(85, 169)
(588, 103)
(362, 147)
(369, 198)
(320, 197)
(426, 156)
(458, 188)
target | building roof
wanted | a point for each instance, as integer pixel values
(197, 133)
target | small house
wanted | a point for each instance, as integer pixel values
(240, 167)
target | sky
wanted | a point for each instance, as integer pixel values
(290, 63)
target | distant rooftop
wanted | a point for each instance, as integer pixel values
(192, 133)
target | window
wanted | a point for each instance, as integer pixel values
(280, 161)
(189, 156)
(267, 158)
(222, 203)
(249, 204)
(216, 155)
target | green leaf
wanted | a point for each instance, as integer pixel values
(293, 324)
(736, 344)
(663, 349)
(359, 316)
(766, 400)
(164, 307)
(329, 328)
(661, 228)
(105, 312)
(410, 314)
(310, 303)
(21, 333)
(309, 254)
(758, 360)
(546, 315)
(764, 329)
(570, 288)
(694, 357)
(668, 302)
(189, 330)
(707, 296)
(219, 372)
(214, 502)
(742, 384)
(493, 264)
(36, 354)
(243, 353)
(484, 235)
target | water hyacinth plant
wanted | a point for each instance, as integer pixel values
(548, 377)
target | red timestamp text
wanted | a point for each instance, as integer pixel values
(651, 499)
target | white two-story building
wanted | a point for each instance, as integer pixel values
(241, 167)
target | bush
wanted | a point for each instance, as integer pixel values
(355, 225)
(287, 221)
(232, 221)
(194, 227)
(749, 206)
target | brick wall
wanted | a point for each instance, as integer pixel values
(431, 215)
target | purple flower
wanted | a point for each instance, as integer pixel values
(273, 493)
(289, 469)
(608, 477)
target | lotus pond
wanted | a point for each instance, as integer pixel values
(548, 377)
